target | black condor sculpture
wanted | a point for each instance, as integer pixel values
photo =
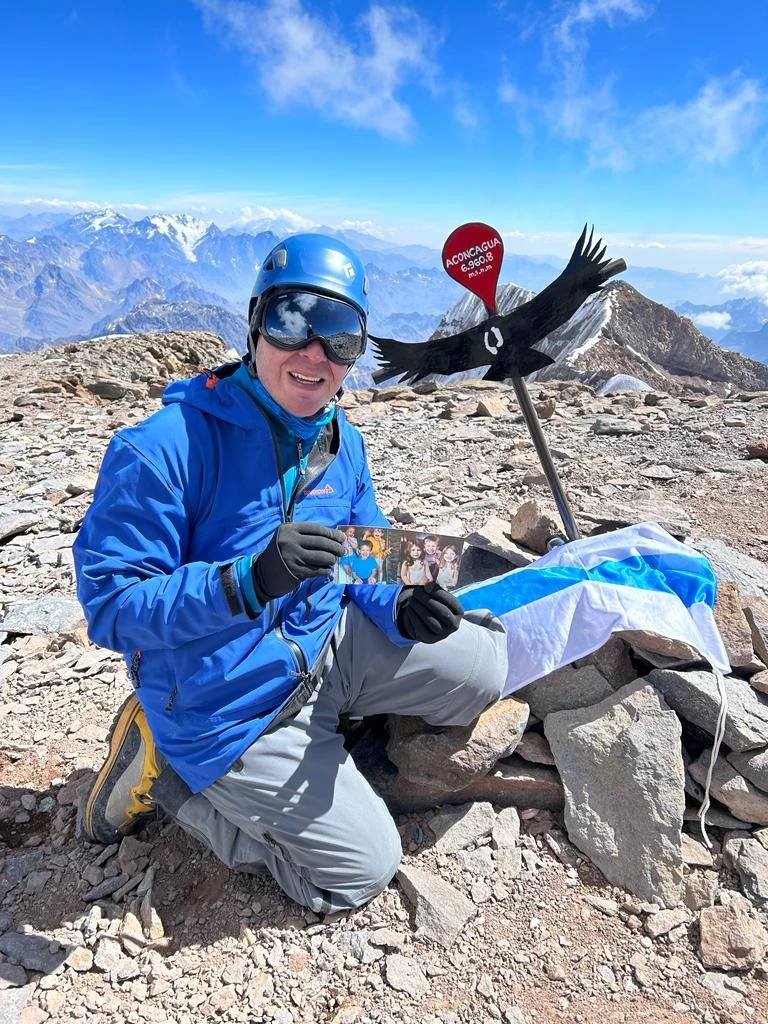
(504, 342)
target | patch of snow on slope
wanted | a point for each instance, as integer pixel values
(646, 362)
(107, 219)
(185, 231)
(587, 325)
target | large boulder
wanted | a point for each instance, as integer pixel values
(451, 757)
(564, 689)
(696, 698)
(622, 769)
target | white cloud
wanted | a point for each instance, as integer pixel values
(465, 114)
(303, 59)
(366, 227)
(723, 120)
(268, 213)
(31, 167)
(588, 11)
(520, 104)
(578, 106)
(749, 278)
(61, 204)
(725, 117)
(711, 320)
(79, 205)
(524, 235)
(719, 122)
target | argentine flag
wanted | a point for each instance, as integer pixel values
(568, 603)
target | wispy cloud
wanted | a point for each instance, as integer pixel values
(180, 82)
(272, 214)
(579, 105)
(26, 168)
(749, 278)
(367, 227)
(71, 205)
(570, 29)
(465, 114)
(304, 60)
(60, 204)
(716, 125)
(721, 121)
(575, 106)
(520, 103)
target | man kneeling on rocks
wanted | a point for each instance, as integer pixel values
(206, 560)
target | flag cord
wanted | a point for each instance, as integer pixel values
(719, 734)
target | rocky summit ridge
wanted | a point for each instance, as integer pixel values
(546, 876)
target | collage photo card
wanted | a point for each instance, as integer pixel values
(411, 557)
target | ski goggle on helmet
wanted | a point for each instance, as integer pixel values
(292, 319)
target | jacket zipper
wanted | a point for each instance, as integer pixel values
(301, 658)
(305, 479)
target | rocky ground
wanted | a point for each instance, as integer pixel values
(495, 916)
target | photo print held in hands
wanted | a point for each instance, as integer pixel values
(410, 557)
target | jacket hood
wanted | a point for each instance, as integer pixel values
(217, 395)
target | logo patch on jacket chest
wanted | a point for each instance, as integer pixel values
(321, 491)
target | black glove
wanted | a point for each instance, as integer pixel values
(428, 613)
(296, 552)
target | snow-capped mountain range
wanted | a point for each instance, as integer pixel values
(70, 279)
(73, 277)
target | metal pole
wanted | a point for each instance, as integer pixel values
(545, 457)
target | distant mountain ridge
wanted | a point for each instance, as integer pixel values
(153, 314)
(751, 343)
(742, 315)
(69, 278)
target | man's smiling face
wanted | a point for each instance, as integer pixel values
(302, 381)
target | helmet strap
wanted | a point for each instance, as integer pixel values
(253, 337)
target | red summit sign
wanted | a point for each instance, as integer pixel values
(472, 255)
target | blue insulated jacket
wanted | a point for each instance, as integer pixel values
(178, 499)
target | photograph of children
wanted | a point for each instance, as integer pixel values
(362, 566)
(410, 557)
(412, 567)
(429, 557)
(448, 566)
(351, 544)
(380, 548)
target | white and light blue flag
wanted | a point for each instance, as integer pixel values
(570, 601)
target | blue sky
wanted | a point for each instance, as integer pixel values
(648, 117)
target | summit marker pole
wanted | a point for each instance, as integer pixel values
(472, 255)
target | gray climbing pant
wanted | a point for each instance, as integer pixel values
(296, 805)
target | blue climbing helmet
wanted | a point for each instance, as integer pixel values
(314, 263)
